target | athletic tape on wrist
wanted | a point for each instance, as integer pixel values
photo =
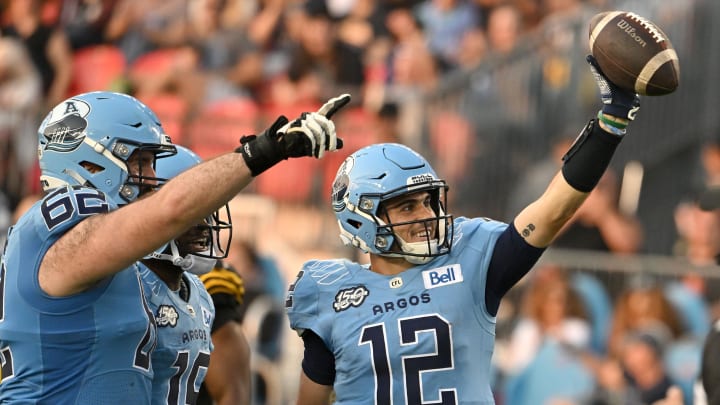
(608, 121)
(589, 156)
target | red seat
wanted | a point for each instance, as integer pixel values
(290, 181)
(155, 62)
(452, 141)
(270, 112)
(96, 67)
(220, 125)
(171, 109)
(356, 127)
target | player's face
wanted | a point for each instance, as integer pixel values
(408, 208)
(141, 169)
(196, 239)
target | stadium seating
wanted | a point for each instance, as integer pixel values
(97, 67)
(218, 127)
(356, 128)
(171, 109)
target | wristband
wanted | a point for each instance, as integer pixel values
(611, 122)
(614, 127)
(589, 156)
(264, 151)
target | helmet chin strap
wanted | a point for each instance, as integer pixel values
(198, 265)
(414, 252)
(423, 250)
(191, 263)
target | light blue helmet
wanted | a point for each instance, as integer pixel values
(102, 129)
(375, 174)
(216, 231)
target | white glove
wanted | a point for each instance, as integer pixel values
(310, 135)
(314, 127)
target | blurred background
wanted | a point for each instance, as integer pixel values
(491, 91)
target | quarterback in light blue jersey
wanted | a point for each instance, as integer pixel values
(417, 324)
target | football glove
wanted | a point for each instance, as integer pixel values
(310, 135)
(617, 102)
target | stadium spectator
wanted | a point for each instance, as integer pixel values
(599, 224)
(550, 310)
(85, 21)
(47, 45)
(642, 304)
(142, 26)
(320, 53)
(445, 23)
(472, 50)
(639, 376)
(504, 29)
(262, 279)
(20, 101)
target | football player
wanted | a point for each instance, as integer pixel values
(185, 312)
(74, 324)
(417, 324)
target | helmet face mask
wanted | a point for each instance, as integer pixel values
(198, 249)
(210, 239)
(89, 139)
(434, 226)
(364, 184)
(138, 180)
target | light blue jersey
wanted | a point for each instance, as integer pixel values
(423, 336)
(93, 347)
(184, 344)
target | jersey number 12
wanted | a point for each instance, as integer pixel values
(413, 366)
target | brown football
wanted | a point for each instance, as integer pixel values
(634, 53)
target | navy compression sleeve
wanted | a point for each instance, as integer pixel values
(512, 258)
(318, 361)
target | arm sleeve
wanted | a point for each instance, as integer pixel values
(227, 310)
(512, 258)
(318, 361)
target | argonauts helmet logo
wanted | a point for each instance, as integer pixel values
(64, 127)
(341, 183)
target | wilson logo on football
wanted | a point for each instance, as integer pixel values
(350, 297)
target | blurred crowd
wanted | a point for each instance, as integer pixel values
(214, 70)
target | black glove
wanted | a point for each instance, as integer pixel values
(617, 102)
(310, 135)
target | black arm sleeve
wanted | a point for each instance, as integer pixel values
(318, 361)
(227, 310)
(512, 258)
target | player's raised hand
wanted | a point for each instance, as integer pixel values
(334, 104)
(617, 102)
(309, 135)
(313, 133)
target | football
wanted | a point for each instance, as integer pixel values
(634, 53)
